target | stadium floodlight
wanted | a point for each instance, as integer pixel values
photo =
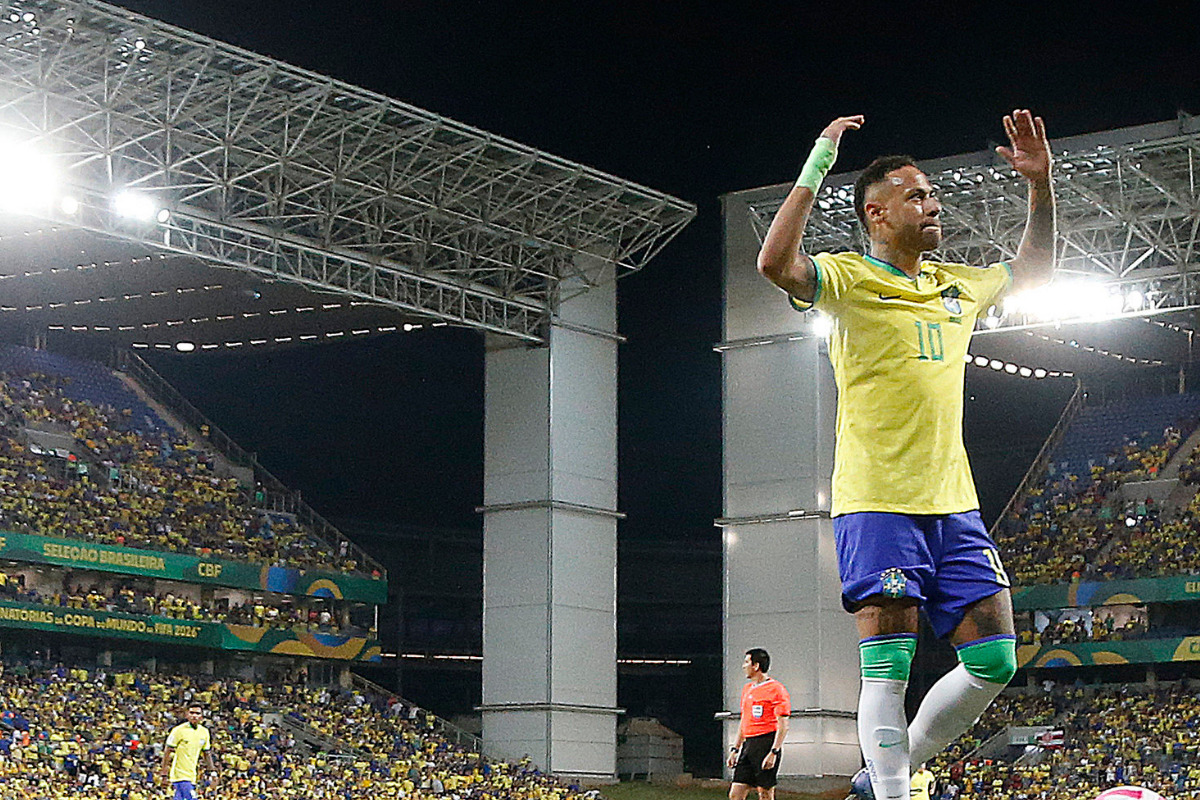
(1134, 300)
(138, 207)
(996, 364)
(1011, 369)
(69, 206)
(1039, 373)
(981, 361)
(28, 179)
(185, 347)
(1070, 299)
(1026, 372)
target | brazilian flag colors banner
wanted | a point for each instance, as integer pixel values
(216, 635)
(191, 569)
(1134, 591)
(1137, 651)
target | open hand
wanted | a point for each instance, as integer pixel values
(1029, 153)
(834, 130)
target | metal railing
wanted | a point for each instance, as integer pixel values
(275, 495)
(445, 729)
(1043, 457)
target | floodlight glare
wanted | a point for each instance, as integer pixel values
(69, 206)
(1067, 300)
(28, 179)
(1011, 369)
(991, 322)
(1134, 300)
(163, 215)
(996, 364)
(1039, 373)
(1026, 372)
(981, 361)
(185, 347)
(135, 206)
(822, 325)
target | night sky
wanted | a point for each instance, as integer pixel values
(696, 100)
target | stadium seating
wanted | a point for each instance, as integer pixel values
(1111, 736)
(1074, 523)
(147, 485)
(66, 732)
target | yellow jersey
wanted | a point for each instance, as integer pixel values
(189, 742)
(920, 784)
(897, 347)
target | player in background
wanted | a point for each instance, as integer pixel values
(185, 743)
(905, 512)
(765, 707)
(924, 785)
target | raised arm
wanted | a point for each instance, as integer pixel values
(781, 261)
(1029, 155)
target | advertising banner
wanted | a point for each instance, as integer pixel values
(1138, 651)
(190, 568)
(216, 635)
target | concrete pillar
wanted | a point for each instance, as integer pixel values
(781, 580)
(550, 524)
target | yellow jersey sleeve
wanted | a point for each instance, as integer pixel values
(837, 273)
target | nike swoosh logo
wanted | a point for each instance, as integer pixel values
(889, 297)
(884, 744)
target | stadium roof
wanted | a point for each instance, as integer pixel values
(140, 155)
(1128, 283)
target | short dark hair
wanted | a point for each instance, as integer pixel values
(760, 657)
(875, 172)
(196, 706)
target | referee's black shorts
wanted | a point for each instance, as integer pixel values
(749, 770)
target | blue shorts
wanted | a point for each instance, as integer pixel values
(184, 790)
(945, 562)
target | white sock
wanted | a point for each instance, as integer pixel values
(883, 736)
(952, 705)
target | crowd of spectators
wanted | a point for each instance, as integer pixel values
(1110, 737)
(66, 733)
(309, 614)
(150, 486)
(1077, 626)
(1072, 527)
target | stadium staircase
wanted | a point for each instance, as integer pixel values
(1042, 460)
(445, 729)
(275, 496)
(224, 466)
(315, 742)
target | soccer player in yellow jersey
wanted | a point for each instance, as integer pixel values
(905, 513)
(185, 743)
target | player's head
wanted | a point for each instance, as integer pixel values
(195, 713)
(897, 204)
(757, 660)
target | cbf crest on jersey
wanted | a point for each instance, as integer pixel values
(950, 299)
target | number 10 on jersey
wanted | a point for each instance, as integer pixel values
(929, 340)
